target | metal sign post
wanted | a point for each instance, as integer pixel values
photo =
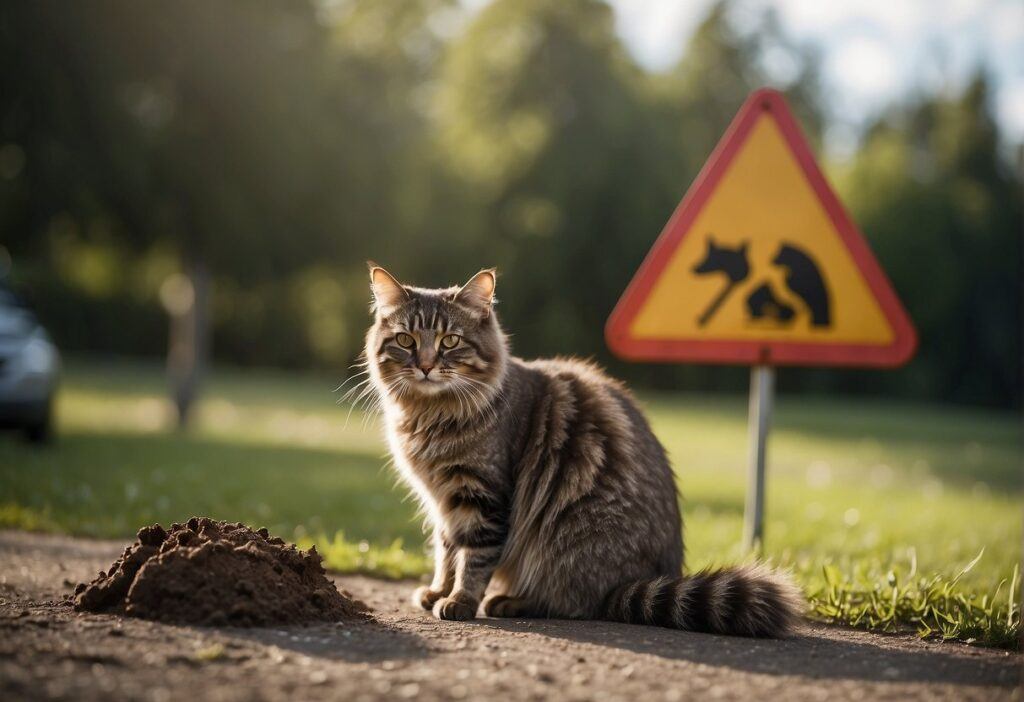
(762, 380)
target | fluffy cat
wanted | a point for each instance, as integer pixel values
(546, 491)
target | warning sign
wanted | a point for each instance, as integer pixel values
(760, 264)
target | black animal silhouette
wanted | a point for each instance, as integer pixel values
(762, 304)
(721, 259)
(804, 278)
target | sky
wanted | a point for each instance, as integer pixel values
(873, 51)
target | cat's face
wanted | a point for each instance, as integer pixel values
(434, 342)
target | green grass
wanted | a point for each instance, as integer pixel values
(876, 506)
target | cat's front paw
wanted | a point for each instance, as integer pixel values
(454, 609)
(425, 597)
(504, 606)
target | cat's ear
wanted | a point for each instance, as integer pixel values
(388, 293)
(478, 293)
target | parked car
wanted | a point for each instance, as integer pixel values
(29, 369)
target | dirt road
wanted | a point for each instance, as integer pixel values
(49, 652)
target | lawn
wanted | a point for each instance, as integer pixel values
(876, 506)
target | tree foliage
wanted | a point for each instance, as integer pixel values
(282, 144)
(943, 211)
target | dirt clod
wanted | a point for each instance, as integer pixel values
(214, 573)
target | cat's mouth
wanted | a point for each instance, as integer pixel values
(431, 383)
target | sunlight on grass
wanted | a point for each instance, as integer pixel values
(876, 507)
(891, 600)
(388, 561)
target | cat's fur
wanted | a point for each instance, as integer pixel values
(542, 482)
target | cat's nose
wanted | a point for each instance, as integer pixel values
(425, 368)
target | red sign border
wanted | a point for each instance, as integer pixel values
(743, 352)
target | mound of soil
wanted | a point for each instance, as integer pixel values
(213, 573)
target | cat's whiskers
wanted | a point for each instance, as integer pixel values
(365, 390)
(459, 395)
(369, 395)
(479, 403)
(396, 388)
(472, 400)
(355, 387)
(364, 367)
(487, 393)
(463, 393)
(476, 397)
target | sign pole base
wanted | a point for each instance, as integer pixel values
(762, 381)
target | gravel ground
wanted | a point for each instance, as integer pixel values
(49, 652)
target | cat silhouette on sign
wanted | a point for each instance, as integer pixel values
(803, 278)
(762, 304)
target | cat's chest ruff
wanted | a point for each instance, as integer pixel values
(436, 439)
(421, 448)
(426, 450)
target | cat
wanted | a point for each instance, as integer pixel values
(545, 489)
(804, 278)
(763, 304)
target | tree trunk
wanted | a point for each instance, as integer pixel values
(187, 300)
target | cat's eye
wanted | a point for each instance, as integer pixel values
(405, 340)
(450, 341)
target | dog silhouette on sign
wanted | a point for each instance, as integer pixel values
(722, 259)
(803, 279)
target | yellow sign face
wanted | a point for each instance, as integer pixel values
(760, 263)
(762, 216)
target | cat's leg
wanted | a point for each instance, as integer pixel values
(475, 513)
(505, 606)
(473, 570)
(444, 574)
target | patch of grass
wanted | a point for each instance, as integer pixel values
(389, 561)
(895, 600)
(856, 489)
(109, 484)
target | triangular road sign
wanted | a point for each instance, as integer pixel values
(760, 264)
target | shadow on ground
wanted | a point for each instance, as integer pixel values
(362, 642)
(811, 654)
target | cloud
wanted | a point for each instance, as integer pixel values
(865, 67)
(1010, 108)
(656, 31)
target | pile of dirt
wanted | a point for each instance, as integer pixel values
(214, 573)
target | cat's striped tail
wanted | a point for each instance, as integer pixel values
(750, 600)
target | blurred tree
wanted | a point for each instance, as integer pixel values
(543, 117)
(723, 64)
(384, 56)
(943, 209)
(244, 134)
(267, 149)
(179, 122)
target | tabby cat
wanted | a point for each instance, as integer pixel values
(543, 484)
